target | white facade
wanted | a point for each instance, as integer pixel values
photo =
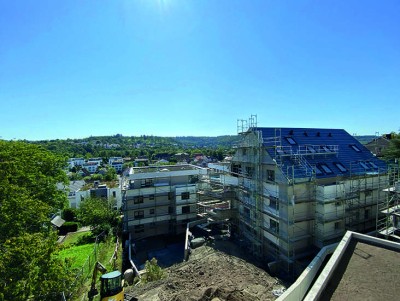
(160, 200)
(91, 166)
(112, 159)
(72, 162)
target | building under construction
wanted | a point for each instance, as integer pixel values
(286, 193)
(300, 189)
(160, 200)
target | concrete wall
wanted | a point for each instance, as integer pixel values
(298, 290)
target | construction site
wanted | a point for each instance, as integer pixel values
(285, 194)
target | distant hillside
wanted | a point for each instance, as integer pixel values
(365, 139)
(219, 141)
(149, 146)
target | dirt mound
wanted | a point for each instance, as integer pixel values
(211, 275)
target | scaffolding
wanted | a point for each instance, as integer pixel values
(269, 222)
(310, 211)
(387, 215)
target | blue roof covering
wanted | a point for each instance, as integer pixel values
(330, 152)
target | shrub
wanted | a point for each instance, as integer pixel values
(68, 227)
(153, 271)
(69, 214)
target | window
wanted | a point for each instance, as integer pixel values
(244, 152)
(147, 182)
(138, 199)
(326, 169)
(337, 225)
(340, 167)
(291, 141)
(366, 214)
(249, 171)
(152, 211)
(274, 203)
(368, 193)
(274, 226)
(185, 195)
(280, 151)
(185, 209)
(151, 197)
(354, 147)
(114, 194)
(310, 149)
(270, 175)
(139, 228)
(373, 165)
(364, 165)
(139, 214)
(318, 171)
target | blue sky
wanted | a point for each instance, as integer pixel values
(71, 69)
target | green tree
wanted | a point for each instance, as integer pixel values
(99, 214)
(28, 197)
(393, 151)
(110, 174)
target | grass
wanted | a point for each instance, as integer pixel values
(106, 249)
(74, 238)
(77, 254)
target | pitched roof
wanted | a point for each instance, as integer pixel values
(57, 221)
(330, 152)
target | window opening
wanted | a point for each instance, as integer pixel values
(340, 167)
(326, 169)
(373, 165)
(311, 149)
(318, 171)
(291, 141)
(185, 195)
(138, 199)
(280, 151)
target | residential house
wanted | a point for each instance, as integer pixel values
(91, 167)
(73, 162)
(378, 145)
(301, 189)
(160, 200)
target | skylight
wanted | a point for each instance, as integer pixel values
(364, 165)
(291, 140)
(373, 165)
(341, 167)
(280, 151)
(326, 169)
(310, 149)
(353, 146)
(325, 148)
(318, 171)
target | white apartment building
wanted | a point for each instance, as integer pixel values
(160, 200)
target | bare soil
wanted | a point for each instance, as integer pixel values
(215, 273)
